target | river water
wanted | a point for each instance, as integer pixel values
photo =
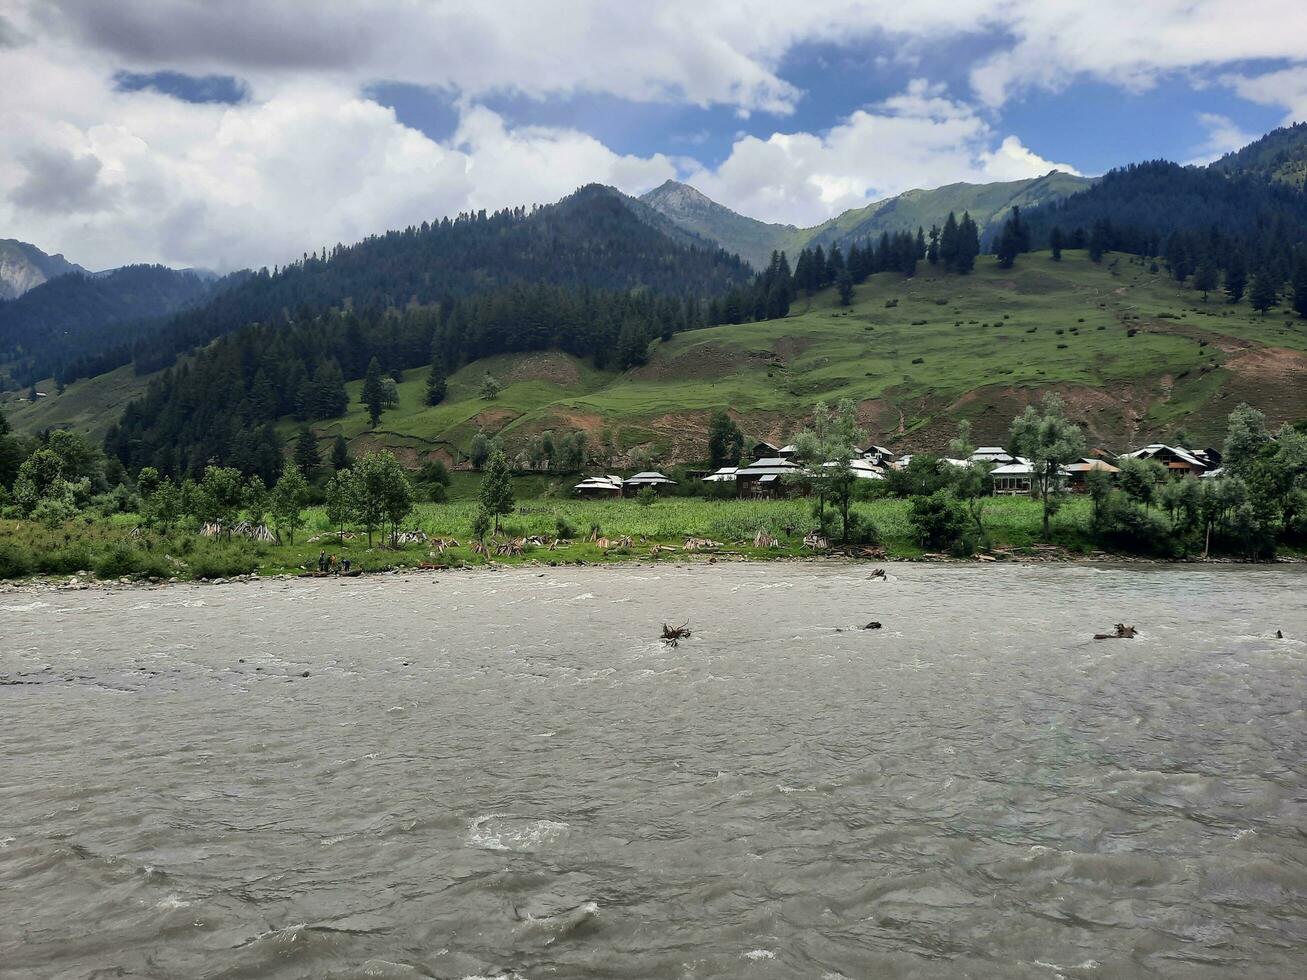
(507, 774)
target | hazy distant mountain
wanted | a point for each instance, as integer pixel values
(24, 267)
(754, 240)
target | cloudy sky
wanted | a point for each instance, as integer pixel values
(245, 132)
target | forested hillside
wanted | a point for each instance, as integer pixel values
(74, 317)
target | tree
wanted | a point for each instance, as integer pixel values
(307, 455)
(437, 382)
(827, 449)
(496, 488)
(1299, 281)
(40, 477)
(938, 521)
(219, 496)
(1056, 242)
(1264, 292)
(381, 493)
(289, 498)
(725, 441)
(490, 387)
(340, 454)
(1049, 440)
(1141, 479)
(340, 500)
(374, 393)
(1236, 276)
(971, 483)
(480, 450)
(11, 454)
(844, 283)
(1205, 278)
(1245, 435)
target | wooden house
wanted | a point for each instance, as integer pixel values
(599, 487)
(766, 477)
(634, 484)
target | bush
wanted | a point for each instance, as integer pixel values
(939, 522)
(222, 563)
(14, 562)
(562, 529)
(68, 560)
(122, 559)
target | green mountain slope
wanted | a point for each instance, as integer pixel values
(1280, 156)
(754, 240)
(1135, 356)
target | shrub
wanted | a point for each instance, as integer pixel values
(563, 529)
(939, 522)
(14, 562)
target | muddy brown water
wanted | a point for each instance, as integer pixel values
(508, 775)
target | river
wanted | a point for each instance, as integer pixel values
(508, 775)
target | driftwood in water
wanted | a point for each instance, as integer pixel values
(1121, 632)
(878, 573)
(873, 625)
(674, 634)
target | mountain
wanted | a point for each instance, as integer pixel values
(749, 238)
(1280, 156)
(754, 240)
(79, 315)
(24, 267)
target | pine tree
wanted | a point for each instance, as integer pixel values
(1097, 241)
(1008, 245)
(1236, 276)
(340, 454)
(1055, 243)
(1205, 278)
(496, 488)
(845, 286)
(948, 243)
(1264, 291)
(374, 395)
(437, 383)
(968, 244)
(932, 250)
(307, 455)
(1299, 281)
(725, 441)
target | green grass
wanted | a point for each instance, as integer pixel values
(917, 354)
(89, 405)
(106, 547)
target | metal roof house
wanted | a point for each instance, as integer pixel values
(765, 477)
(992, 454)
(878, 455)
(1180, 462)
(725, 475)
(599, 486)
(763, 450)
(863, 469)
(634, 484)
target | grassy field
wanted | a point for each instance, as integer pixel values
(107, 547)
(1136, 357)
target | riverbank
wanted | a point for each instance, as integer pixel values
(539, 532)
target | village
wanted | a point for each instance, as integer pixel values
(777, 472)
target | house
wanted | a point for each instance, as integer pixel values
(992, 454)
(788, 452)
(634, 484)
(764, 450)
(1012, 478)
(878, 455)
(1077, 473)
(765, 477)
(863, 469)
(1178, 461)
(725, 475)
(598, 487)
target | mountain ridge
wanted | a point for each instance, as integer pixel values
(23, 267)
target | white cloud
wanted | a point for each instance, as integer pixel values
(1223, 136)
(919, 138)
(725, 52)
(1287, 88)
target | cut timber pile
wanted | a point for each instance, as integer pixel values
(700, 544)
(815, 541)
(764, 540)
